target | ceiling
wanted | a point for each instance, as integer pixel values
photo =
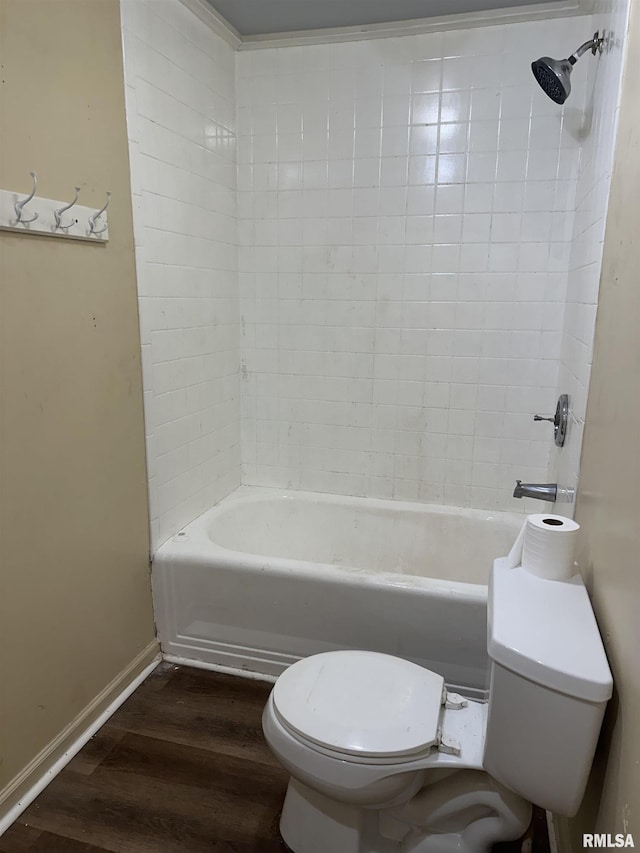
(255, 17)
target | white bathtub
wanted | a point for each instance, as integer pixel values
(267, 577)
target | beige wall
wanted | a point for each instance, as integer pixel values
(608, 503)
(75, 604)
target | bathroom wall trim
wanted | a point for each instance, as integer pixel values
(24, 788)
(418, 26)
(394, 29)
(207, 14)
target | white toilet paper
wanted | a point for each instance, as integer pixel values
(545, 547)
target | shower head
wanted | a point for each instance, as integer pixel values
(554, 75)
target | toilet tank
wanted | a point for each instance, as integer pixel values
(550, 683)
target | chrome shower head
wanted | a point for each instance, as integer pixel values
(554, 75)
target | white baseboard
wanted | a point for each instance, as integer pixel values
(27, 785)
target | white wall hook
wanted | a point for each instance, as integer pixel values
(58, 213)
(51, 216)
(19, 205)
(93, 219)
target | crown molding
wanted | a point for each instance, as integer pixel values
(220, 26)
(465, 20)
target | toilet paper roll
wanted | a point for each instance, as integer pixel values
(545, 546)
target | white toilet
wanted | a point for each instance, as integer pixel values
(383, 759)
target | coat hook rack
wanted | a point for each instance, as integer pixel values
(93, 219)
(53, 220)
(58, 213)
(20, 205)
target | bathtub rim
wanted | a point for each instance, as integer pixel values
(193, 544)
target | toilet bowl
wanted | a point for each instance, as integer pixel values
(362, 734)
(384, 759)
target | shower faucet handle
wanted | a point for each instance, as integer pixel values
(560, 421)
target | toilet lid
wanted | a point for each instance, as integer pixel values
(361, 703)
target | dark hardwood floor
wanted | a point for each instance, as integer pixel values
(181, 767)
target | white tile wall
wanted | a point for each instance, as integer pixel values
(597, 134)
(408, 245)
(180, 87)
(406, 211)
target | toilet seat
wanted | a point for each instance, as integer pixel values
(361, 706)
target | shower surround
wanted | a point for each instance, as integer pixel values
(379, 305)
(181, 113)
(406, 208)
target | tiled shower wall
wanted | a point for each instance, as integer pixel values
(597, 136)
(406, 211)
(403, 351)
(180, 87)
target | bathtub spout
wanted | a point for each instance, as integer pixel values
(541, 491)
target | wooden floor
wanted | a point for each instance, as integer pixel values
(181, 767)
